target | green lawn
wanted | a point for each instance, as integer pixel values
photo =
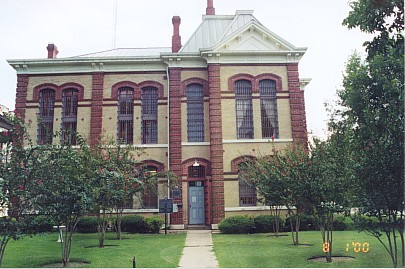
(150, 251)
(265, 250)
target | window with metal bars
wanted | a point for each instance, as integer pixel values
(195, 113)
(150, 196)
(196, 171)
(244, 109)
(149, 100)
(125, 130)
(268, 108)
(247, 192)
(45, 116)
(69, 116)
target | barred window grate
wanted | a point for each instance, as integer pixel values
(149, 100)
(247, 192)
(45, 116)
(195, 113)
(196, 171)
(69, 116)
(268, 109)
(125, 129)
(244, 109)
(150, 197)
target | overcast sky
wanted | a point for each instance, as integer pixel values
(83, 26)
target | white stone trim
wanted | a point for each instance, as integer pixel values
(195, 143)
(252, 208)
(267, 140)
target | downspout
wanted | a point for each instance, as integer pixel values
(168, 131)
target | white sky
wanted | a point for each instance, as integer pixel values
(84, 26)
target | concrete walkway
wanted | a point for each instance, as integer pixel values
(198, 251)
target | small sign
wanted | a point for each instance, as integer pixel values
(165, 205)
(176, 193)
(194, 199)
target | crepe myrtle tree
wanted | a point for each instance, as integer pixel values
(17, 169)
(62, 190)
(284, 179)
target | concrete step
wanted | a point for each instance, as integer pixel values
(198, 227)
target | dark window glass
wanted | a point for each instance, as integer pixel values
(149, 100)
(150, 196)
(247, 192)
(125, 132)
(196, 171)
(268, 108)
(69, 116)
(45, 116)
(244, 109)
(195, 113)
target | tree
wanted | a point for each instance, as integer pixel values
(17, 166)
(62, 191)
(372, 115)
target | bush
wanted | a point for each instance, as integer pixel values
(42, 224)
(134, 224)
(339, 224)
(237, 225)
(265, 224)
(154, 224)
(307, 223)
(87, 224)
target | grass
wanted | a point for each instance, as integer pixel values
(150, 251)
(267, 251)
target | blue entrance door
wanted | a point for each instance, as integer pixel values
(196, 204)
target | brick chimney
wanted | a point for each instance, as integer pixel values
(210, 8)
(176, 38)
(52, 51)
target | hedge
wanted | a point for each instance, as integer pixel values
(237, 225)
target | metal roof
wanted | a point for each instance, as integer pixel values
(127, 52)
(215, 28)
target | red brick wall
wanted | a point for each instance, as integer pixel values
(297, 105)
(96, 124)
(216, 148)
(175, 135)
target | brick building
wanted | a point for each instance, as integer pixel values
(199, 109)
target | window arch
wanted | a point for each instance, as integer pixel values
(268, 108)
(247, 192)
(149, 103)
(244, 109)
(195, 113)
(125, 129)
(46, 113)
(69, 116)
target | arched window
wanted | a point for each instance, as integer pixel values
(247, 192)
(150, 196)
(46, 111)
(195, 113)
(268, 108)
(244, 109)
(69, 116)
(125, 132)
(149, 100)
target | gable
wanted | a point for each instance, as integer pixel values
(253, 37)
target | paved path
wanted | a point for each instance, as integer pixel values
(198, 251)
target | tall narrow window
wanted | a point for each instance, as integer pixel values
(69, 116)
(150, 196)
(125, 130)
(268, 108)
(247, 192)
(244, 109)
(195, 113)
(46, 110)
(149, 100)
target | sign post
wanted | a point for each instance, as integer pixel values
(165, 206)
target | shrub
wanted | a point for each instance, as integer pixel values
(42, 224)
(87, 224)
(265, 224)
(307, 223)
(237, 225)
(154, 224)
(339, 224)
(134, 224)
